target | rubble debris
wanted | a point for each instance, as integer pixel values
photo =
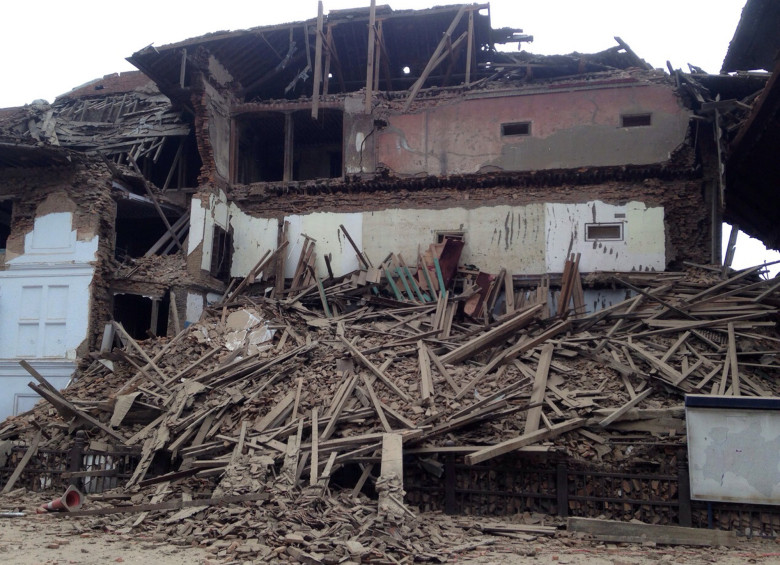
(243, 435)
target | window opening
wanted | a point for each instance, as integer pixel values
(453, 235)
(221, 254)
(316, 149)
(139, 227)
(142, 316)
(635, 120)
(516, 128)
(612, 232)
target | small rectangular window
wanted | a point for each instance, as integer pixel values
(613, 232)
(454, 235)
(635, 120)
(516, 128)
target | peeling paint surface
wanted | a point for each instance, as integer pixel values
(568, 128)
(528, 239)
(44, 306)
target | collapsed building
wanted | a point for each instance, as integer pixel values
(425, 130)
(345, 143)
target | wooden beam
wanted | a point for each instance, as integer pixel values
(523, 440)
(625, 408)
(426, 382)
(287, 173)
(630, 532)
(434, 60)
(370, 57)
(377, 404)
(371, 367)
(520, 320)
(470, 47)
(317, 79)
(155, 203)
(540, 386)
(735, 391)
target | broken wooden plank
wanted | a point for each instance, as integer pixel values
(523, 440)
(625, 408)
(426, 382)
(630, 532)
(31, 450)
(522, 319)
(371, 367)
(540, 386)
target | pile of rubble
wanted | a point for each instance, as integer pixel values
(243, 418)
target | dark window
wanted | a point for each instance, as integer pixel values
(142, 316)
(516, 128)
(314, 147)
(635, 120)
(603, 231)
(221, 254)
(6, 208)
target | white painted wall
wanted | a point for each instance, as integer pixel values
(17, 397)
(641, 249)
(529, 239)
(44, 306)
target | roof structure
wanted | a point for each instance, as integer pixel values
(756, 40)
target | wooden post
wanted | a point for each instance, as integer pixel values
(326, 72)
(470, 47)
(450, 502)
(288, 147)
(183, 68)
(683, 491)
(75, 454)
(155, 316)
(370, 59)
(562, 487)
(234, 145)
(730, 250)
(317, 79)
(175, 313)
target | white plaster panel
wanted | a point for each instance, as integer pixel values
(17, 397)
(496, 236)
(45, 292)
(565, 229)
(194, 307)
(43, 310)
(53, 241)
(216, 214)
(197, 224)
(252, 237)
(324, 227)
(598, 299)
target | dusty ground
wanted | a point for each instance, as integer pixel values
(50, 540)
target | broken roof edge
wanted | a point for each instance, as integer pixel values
(333, 17)
(112, 83)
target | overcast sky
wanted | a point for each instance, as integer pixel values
(49, 48)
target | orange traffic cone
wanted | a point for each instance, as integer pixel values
(68, 502)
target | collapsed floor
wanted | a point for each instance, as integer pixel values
(243, 419)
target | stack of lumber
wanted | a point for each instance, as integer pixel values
(263, 401)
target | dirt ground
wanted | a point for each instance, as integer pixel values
(52, 539)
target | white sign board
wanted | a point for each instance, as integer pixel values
(734, 448)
